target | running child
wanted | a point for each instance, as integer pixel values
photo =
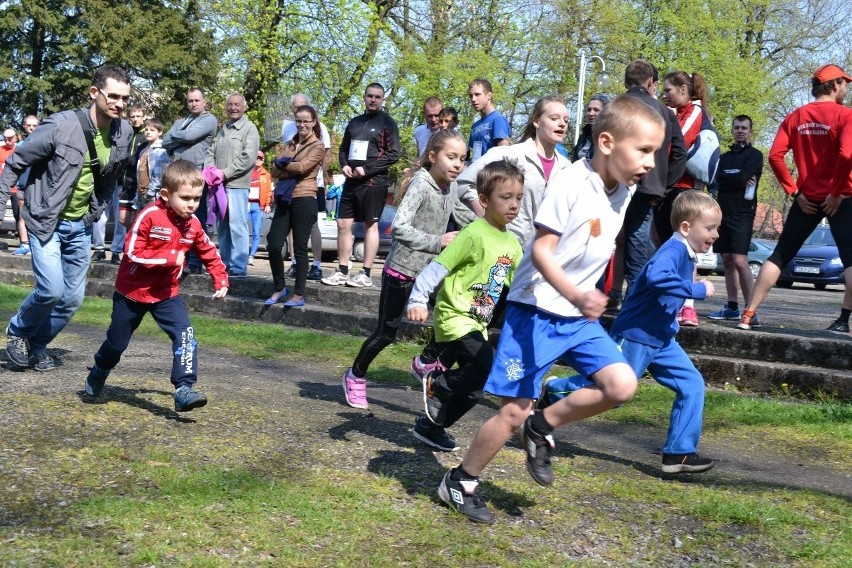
(472, 273)
(553, 305)
(646, 327)
(148, 281)
(419, 234)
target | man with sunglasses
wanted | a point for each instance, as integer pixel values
(67, 189)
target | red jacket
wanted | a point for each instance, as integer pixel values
(149, 272)
(820, 135)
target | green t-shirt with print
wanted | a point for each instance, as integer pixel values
(480, 261)
(78, 202)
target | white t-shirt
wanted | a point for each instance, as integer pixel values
(577, 207)
(288, 131)
(421, 138)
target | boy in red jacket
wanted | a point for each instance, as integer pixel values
(149, 281)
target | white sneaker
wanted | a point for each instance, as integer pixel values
(336, 279)
(251, 261)
(360, 280)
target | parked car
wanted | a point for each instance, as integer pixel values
(817, 262)
(758, 251)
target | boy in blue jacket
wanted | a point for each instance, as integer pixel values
(646, 326)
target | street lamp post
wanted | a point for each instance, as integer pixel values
(603, 80)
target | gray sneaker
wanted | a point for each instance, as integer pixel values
(462, 496)
(186, 399)
(337, 278)
(42, 362)
(95, 381)
(18, 350)
(360, 280)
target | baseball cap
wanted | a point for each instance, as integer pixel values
(831, 72)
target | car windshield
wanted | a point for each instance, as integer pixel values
(821, 237)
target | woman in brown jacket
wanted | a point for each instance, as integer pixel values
(299, 163)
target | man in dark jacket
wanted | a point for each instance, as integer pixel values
(635, 246)
(68, 188)
(369, 148)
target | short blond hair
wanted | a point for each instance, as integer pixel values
(689, 205)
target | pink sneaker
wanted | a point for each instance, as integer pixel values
(355, 390)
(419, 368)
(687, 317)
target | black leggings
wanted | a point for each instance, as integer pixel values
(299, 215)
(800, 225)
(392, 303)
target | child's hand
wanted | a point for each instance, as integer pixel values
(418, 314)
(447, 238)
(709, 286)
(220, 293)
(180, 258)
(592, 304)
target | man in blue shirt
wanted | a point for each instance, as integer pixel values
(492, 129)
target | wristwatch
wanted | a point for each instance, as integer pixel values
(795, 194)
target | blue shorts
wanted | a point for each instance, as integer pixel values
(532, 340)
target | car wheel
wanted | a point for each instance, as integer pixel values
(784, 284)
(755, 268)
(820, 286)
(358, 251)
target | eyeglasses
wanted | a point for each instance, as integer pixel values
(9, 137)
(304, 122)
(113, 97)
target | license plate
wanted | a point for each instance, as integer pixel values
(807, 269)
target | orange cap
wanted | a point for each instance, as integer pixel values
(831, 72)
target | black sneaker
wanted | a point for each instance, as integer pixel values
(194, 270)
(18, 350)
(538, 449)
(95, 381)
(839, 326)
(435, 411)
(116, 258)
(315, 273)
(685, 463)
(186, 399)
(42, 362)
(433, 436)
(461, 496)
(99, 255)
(291, 272)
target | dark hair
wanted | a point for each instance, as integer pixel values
(537, 113)
(156, 123)
(638, 72)
(109, 71)
(436, 143)
(821, 89)
(622, 114)
(497, 173)
(695, 84)
(742, 118)
(374, 86)
(309, 109)
(181, 172)
(484, 83)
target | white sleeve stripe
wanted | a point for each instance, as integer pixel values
(134, 235)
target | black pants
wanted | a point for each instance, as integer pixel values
(392, 302)
(299, 215)
(171, 316)
(799, 225)
(460, 389)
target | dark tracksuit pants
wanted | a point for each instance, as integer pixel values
(460, 389)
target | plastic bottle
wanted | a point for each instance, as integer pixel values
(749, 190)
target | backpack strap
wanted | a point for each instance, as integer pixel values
(696, 113)
(89, 134)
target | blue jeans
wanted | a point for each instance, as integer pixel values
(120, 232)
(671, 367)
(638, 245)
(234, 233)
(256, 214)
(60, 266)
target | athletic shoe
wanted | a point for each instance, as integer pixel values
(685, 463)
(687, 317)
(435, 410)
(18, 350)
(538, 449)
(543, 402)
(251, 261)
(291, 272)
(337, 278)
(355, 390)
(42, 362)
(95, 380)
(839, 326)
(725, 313)
(22, 250)
(315, 273)
(613, 304)
(99, 255)
(186, 399)
(461, 496)
(419, 368)
(116, 258)
(748, 321)
(433, 436)
(360, 280)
